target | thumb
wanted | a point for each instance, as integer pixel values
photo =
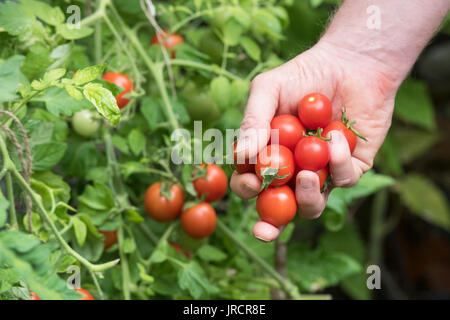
(261, 106)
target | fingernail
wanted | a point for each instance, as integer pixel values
(306, 184)
(250, 188)
(335, 137)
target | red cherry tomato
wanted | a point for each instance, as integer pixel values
(87, 294)
(315, 111)
(110, 238)
(34, 296)
(120, 80)
(180, 249)
(322, 173)
(276, 206)
(341, 127)
(290, 130)
(199, 221)
(312, 153)
(215, 186)
(170, 41)
(159, 207)
(276, 156)
(245, 167)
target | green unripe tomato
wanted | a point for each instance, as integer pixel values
(84, 123)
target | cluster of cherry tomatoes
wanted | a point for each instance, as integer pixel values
(302, 145)
(165, 201)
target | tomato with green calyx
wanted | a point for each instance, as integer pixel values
(346, 128)
(312, 153)
(110, 238)
(123, 81)
(274, 165)
(85, 123)
(87, 295)
(314, 111)
(34, 296)
(276, 206)
(212, 184)
(289, 128)
(170, 41)
(245, 167)
(199, 221)
(163, 201)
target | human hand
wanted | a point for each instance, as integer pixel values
(360, 83)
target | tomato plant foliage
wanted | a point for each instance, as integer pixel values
(66, 177)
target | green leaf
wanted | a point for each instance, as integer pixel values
(369, 183)
(58, 101)
(80, 230)
(103, 100)
(73, 92)
(152, 112)
(318, 269)
(265, 23)
(129, 245)
(31, 261)
(220, 92)
(210, 253)
(411, 143)
(54, 74)
(96, 201)
(73, 33)
(413, 104)
(52, 16)
(424, 199)
(120, 143)
(47, 155)
(232, 32)
(37, 60)
(88, 74)
(335, 213)
(18, 19)
(136, 140)
(133, 216)
(10, 76)
(193, 279)
(180, 112)
(252, 48)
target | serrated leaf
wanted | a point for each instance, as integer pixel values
(88, 74)
(103, 100)
(73, 92)
(47, 155)
(73, 33)
(136, 140)
(210, 253)
(10, 76)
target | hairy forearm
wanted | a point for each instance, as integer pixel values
(391, 32)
